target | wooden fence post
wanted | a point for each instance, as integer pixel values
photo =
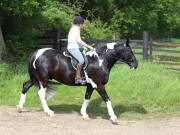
(145, 45)
(56, 36)
(58, 40)
(150, 49)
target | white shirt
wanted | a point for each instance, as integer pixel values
(74, 37)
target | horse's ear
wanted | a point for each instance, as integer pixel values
(127, 42)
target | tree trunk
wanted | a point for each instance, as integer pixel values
(2, 44)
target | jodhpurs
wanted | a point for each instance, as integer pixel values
(76, 53)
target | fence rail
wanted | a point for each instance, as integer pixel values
(154, 51)
(169, 63)
(164, 57)
(164, 50)
(165, 44)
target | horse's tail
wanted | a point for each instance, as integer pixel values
(52, 87)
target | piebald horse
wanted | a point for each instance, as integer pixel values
(47, 64)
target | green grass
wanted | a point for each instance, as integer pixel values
(148, 91)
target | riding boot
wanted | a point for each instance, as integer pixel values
(78, 78)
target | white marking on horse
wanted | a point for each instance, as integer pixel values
(89, 80)
(91, 53)
(110, 45)
(39, 53)
(100, 62)
(21, 101)
(111, 111)
(94, 53)
(42, 94)
(84, 107)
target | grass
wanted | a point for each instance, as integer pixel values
(148, 91)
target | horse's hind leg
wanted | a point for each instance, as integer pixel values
(42, 96)
(22, 100)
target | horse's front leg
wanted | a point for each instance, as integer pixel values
(85, 104)
(101, 90)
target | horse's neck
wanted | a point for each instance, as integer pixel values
(109, 61)
(109, 58)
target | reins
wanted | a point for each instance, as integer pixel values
(109, 56)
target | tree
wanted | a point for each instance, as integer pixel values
(13, 8)
(130, 18)
(24, 20)
(168, 17)
(2, 43)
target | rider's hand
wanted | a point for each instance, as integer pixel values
(85, 48)
(90, 47)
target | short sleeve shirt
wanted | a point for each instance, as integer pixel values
(73, 36)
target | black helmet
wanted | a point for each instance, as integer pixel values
(78, 20)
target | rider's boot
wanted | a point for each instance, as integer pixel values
(78, 78)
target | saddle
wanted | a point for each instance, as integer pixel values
(74, 61)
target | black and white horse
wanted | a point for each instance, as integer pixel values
(46, 64)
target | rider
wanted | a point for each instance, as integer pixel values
(76, 45)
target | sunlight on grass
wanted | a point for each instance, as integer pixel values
(149, 89)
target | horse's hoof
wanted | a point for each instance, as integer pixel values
(85, 117)
(114, 120)
(50, 113)
(19, 108)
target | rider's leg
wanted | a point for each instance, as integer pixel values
(78, 55)
(78, 78)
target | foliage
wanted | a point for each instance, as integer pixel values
(169, 17)
(58, 15)
(122, 22)
(131, 18)
(25, 20)
(97, 30)
(21, 7)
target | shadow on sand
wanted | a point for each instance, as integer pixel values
(96, 110)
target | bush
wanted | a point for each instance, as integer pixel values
(97, 30)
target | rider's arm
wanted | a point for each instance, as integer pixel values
(80, 41)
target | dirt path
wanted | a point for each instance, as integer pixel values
(37, 123)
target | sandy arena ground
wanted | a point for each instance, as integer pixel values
(36, 122)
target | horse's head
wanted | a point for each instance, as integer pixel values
(125, 53)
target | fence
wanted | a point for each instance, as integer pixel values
(146, 49)
(167, 53)
(161, 52)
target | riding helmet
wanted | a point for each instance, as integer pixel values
(78, 20)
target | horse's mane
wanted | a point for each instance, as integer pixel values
(103, 50)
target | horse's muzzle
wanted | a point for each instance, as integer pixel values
(134, 64)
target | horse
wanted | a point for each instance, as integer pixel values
(47, 64)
